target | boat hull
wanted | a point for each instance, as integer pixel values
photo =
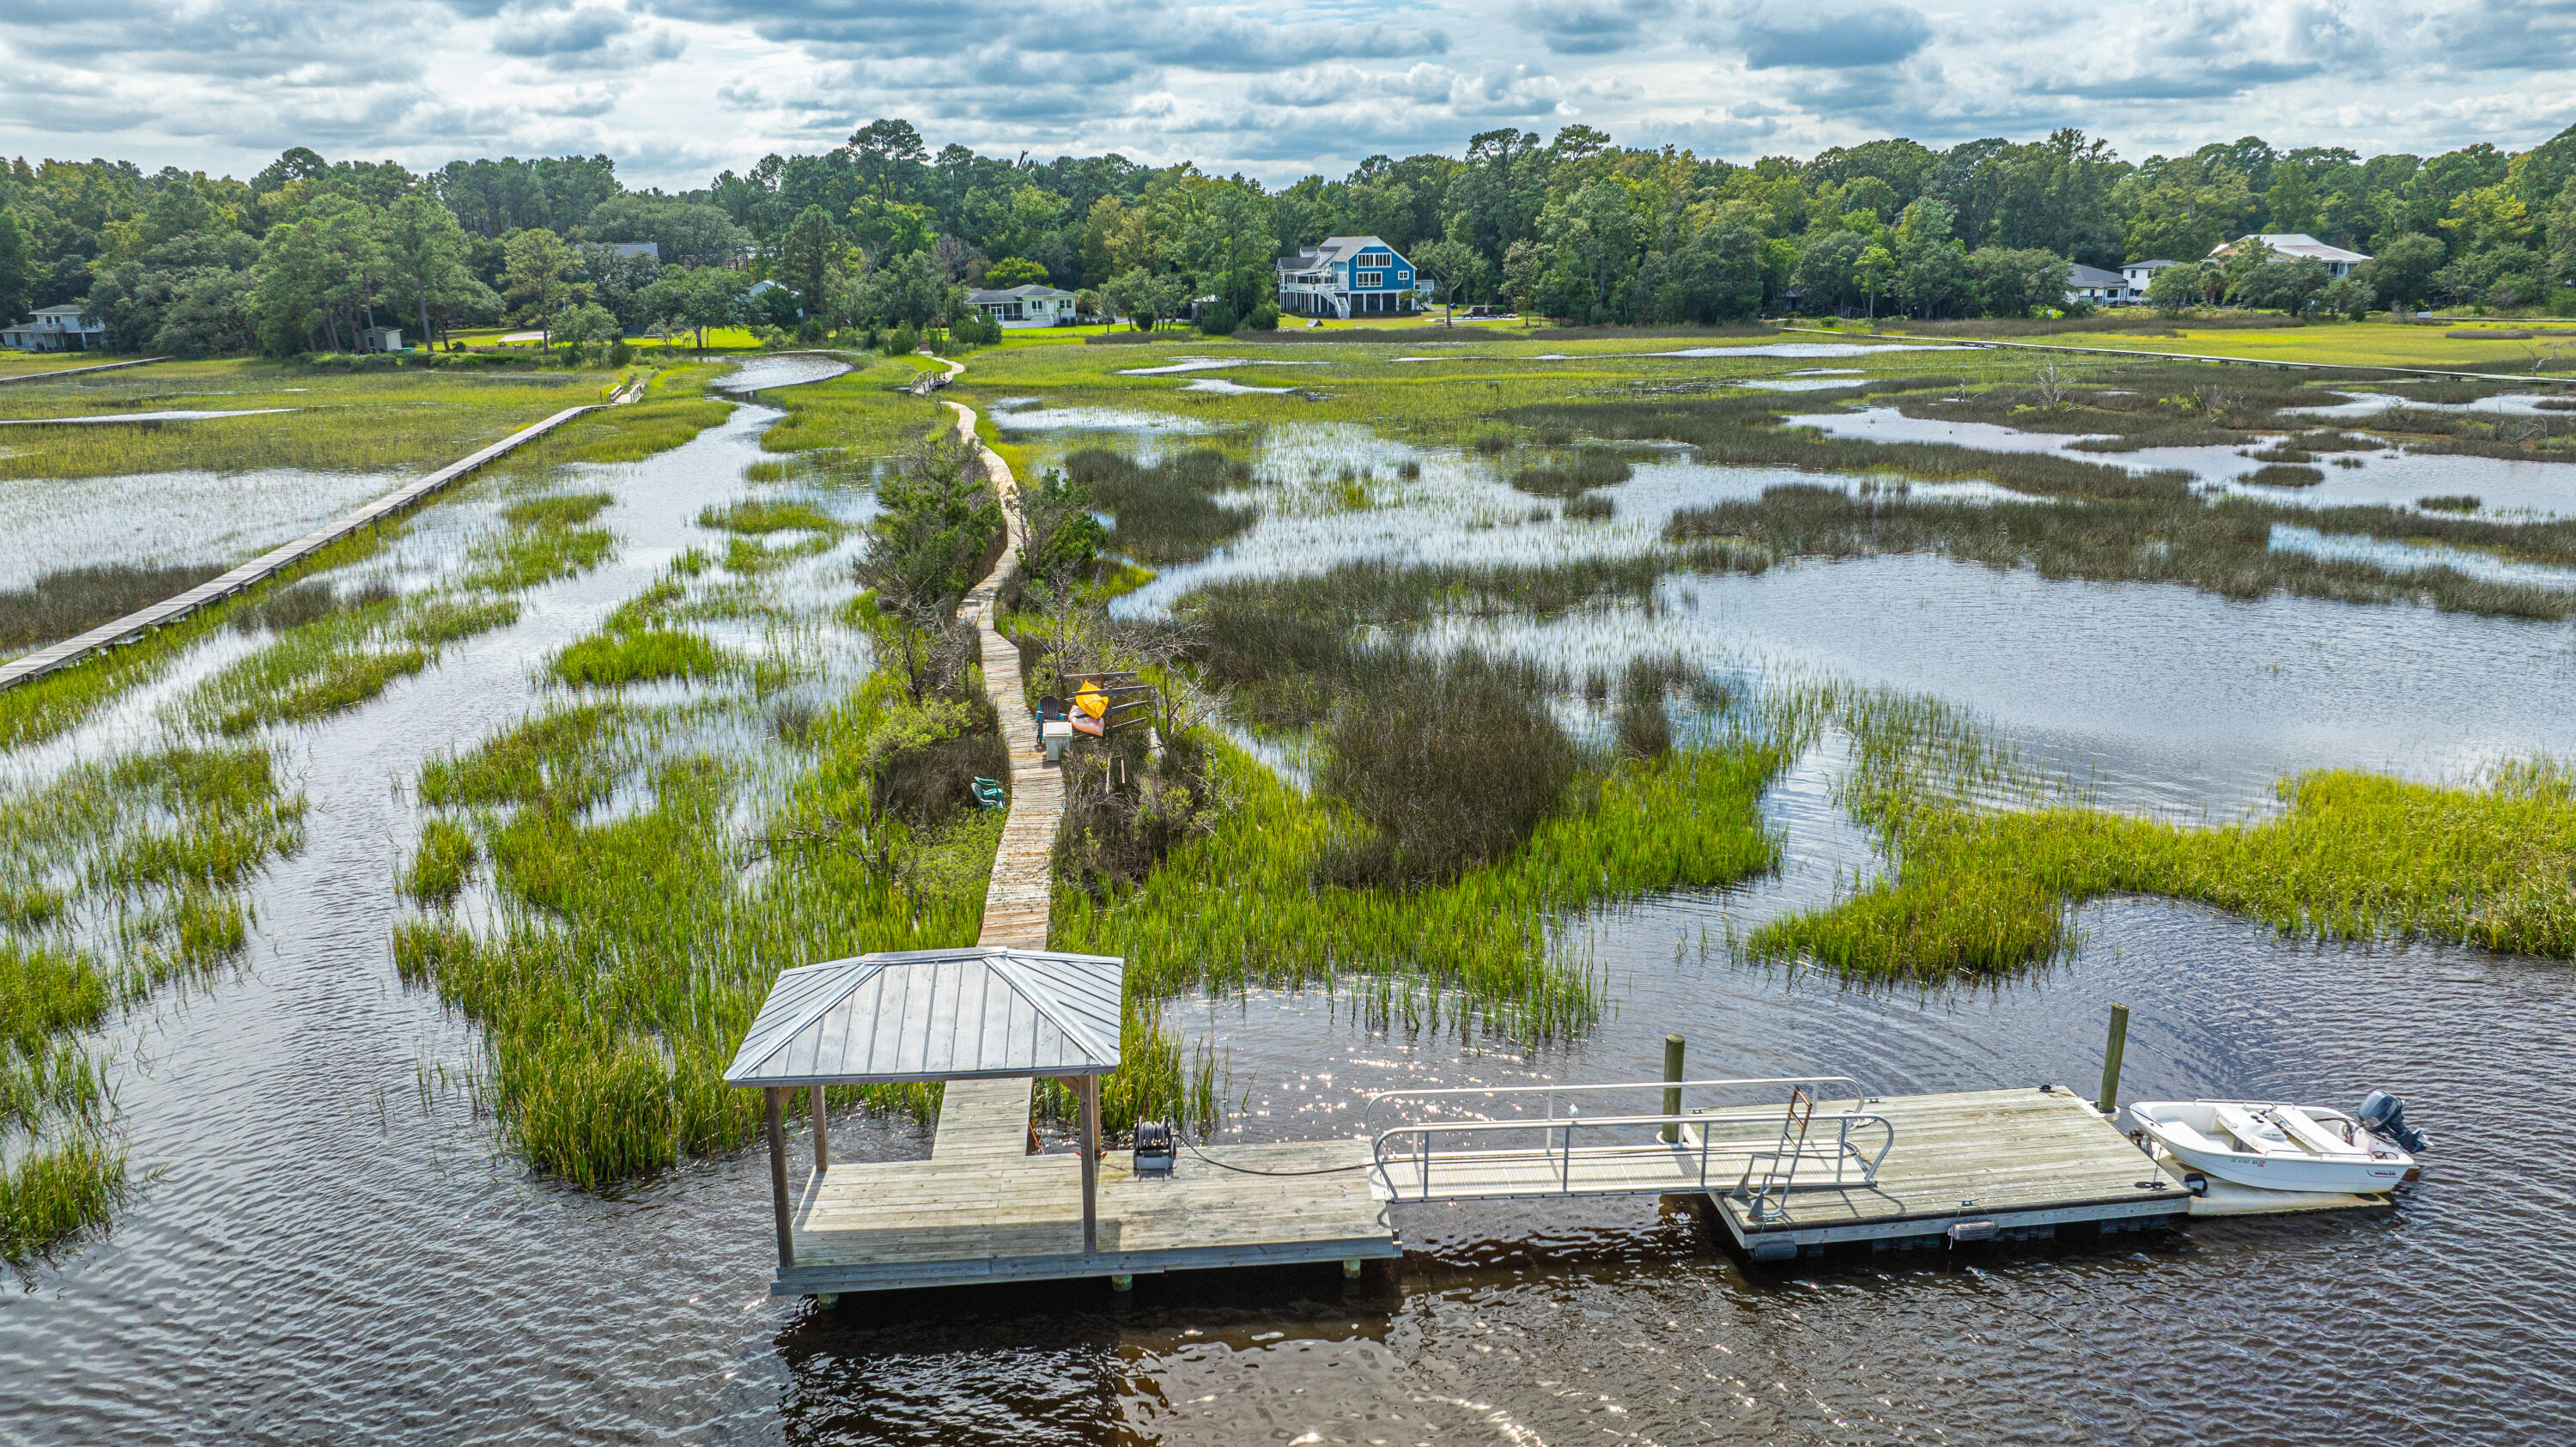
(2188, 1132)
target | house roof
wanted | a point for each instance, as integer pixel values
(2079, 275)
(67, 309)
(1336, 249)
(2155, 265)
(652, 249)
(955, 1014)
(2294, 244)
(988, 296)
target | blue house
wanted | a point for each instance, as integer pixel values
(1346, 276)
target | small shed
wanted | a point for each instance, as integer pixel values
(973, 1013)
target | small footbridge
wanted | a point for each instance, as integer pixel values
(1788, 1164)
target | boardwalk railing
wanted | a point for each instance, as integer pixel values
(1629, 1153)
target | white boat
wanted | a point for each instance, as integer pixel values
(2276, 1147)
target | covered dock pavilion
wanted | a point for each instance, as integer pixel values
(989, 1022)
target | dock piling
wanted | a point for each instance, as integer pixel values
(822, 1134)
(2111, 1051)
(1673, 1095)
(1090, 1165)
(777, 1133)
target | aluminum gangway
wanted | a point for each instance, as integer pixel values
(1705, 1139)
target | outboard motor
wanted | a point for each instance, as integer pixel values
(2383, 1114)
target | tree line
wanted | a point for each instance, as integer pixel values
(881, 233)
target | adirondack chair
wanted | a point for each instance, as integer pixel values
(988, 793)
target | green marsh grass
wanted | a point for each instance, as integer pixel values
(139, 862)
(2353, 856)
(760, 516)
(632, 951)
(2221, 546)
(55, 1190)
(1688, 820)
(1167, 511)
(71, 601)
(611, 659)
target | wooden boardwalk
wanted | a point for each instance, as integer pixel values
(77, 371)
(269, 564)
(983, 1208)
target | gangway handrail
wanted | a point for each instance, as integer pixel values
(1859, 1093)
(1418, 1137)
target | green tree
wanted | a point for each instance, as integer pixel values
(2402, 272)
(537, 278)
(888, 156)
(2175, 289)
(1013, 271)
(17, 266)
(425, 253)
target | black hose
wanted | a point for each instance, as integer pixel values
(1250, 1171)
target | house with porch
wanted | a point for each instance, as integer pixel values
(2093, 284)
(1346, 276)
(1034, 305)
(55, 329)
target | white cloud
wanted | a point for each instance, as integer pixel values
(681, 88)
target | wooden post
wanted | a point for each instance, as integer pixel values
(778, 1175)
(1673, 1094)
(1090, 1164)
(822, 1134)
(2111, 1051)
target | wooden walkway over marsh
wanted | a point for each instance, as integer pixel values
(984, 1207)
(268, 565)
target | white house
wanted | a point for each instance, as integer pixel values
(1034, 305)
(2093, 284)
(55, 329)
(1346, 276)
(2295, 245)
(2141, 275)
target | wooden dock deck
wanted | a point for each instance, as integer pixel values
(962, 1220)
(1994, 1164)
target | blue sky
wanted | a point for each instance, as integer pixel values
(679, 89)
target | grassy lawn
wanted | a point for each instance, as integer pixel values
(20, 364)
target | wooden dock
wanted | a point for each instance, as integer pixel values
(983, 1208)
(1974, 1166)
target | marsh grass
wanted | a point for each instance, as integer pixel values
(2223, 546)
(607, 660)
(2354, 856)
(376, 422)
(56, 1190)
(2462, 502)
(1480, 941)
(70, 601)
(854, 418)
(1167, 511)
(134, 868)
(1745, 432)
(2277, 474)
(1572, 474)
(763, 516)
(633, 950)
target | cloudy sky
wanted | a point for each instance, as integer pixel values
(680, 89)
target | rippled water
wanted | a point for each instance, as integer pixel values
(320, 1256)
